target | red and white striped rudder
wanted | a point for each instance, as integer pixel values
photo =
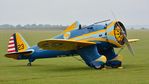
(12, 44)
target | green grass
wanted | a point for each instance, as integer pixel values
(67, 70)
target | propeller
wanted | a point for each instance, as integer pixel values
(125, 39)
(126, 42)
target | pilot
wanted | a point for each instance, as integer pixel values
(80, 26)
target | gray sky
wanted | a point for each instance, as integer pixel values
(131, 12)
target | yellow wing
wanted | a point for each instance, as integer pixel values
(63, 45)
(133, 40)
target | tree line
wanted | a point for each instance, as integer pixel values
(29, 26)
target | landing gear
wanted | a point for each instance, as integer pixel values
(101, 67)
(29, 64)
(114, 64)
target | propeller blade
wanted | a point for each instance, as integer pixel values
(129, 46)
(121, 49)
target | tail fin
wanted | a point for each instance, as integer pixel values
(17, 44)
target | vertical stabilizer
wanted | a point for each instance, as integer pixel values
(17, 43)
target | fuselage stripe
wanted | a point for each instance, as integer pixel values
(85, 35)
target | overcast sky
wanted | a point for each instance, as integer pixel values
(64, 12)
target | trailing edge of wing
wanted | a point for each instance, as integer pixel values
(63, 45)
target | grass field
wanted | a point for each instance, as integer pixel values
(67, 70)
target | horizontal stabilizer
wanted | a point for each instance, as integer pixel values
(61, 44)
(16, 54)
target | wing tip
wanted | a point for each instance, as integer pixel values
(133, 40)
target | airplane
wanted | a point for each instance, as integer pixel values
(94, 43)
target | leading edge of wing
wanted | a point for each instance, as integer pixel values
(62, 44)
(133, 40)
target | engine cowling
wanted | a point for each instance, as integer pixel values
(115, 33)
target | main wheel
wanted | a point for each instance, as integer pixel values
(29, 64)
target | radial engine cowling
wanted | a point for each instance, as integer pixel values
(116, 33)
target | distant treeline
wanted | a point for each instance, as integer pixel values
(32, 26)
(48, 26)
